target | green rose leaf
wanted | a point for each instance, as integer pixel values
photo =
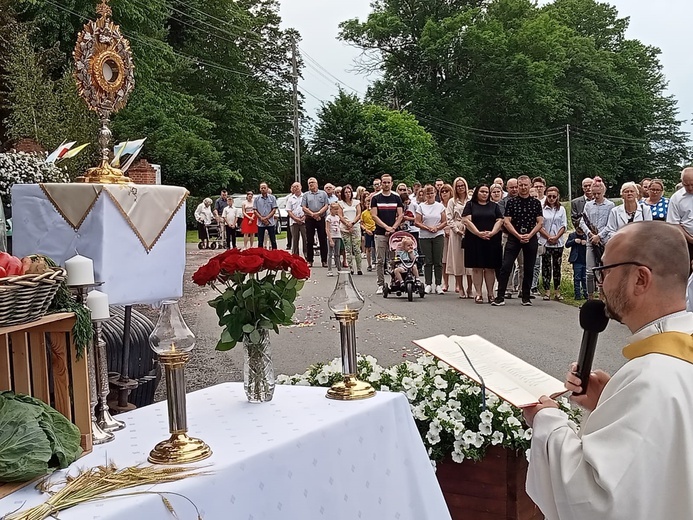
(223, 346)
(255, 336)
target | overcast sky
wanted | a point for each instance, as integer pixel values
(661, 23)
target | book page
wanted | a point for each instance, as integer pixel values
(504, 374)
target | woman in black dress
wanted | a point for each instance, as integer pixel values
(483, 251)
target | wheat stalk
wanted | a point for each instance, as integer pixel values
(95, 483)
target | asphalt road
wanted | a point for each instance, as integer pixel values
(546, 335)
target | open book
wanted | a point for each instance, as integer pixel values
(507, 376)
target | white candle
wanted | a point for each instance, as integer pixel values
(98, 305)
(80, 270)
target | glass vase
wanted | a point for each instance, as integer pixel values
(258, 371)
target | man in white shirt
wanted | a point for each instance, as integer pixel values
(681, 208)
(297, 219)
(633, 456)
(230, 219)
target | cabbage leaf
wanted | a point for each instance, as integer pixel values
(34, 438)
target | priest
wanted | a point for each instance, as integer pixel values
(633, 456)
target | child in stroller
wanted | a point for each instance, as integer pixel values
(404, 268)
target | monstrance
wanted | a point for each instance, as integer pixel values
(104, 73)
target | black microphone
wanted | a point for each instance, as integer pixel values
(593, 320)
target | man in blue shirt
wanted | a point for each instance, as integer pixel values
(314, 204)
(265, 208)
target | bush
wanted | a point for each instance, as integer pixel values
(26, 168)
(191, 204)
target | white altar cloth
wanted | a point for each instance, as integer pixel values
(130, 274)
(300, 456)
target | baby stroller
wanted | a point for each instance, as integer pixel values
(409, 284)
(215, 237)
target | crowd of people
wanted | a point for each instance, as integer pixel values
(492, 242)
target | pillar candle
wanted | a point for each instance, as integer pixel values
(98, 305)
(80, 270)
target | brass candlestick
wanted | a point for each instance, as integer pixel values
(346, 302)
(172, 340)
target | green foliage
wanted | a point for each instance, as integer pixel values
(250, 305)
(212, 91)
(516, 67)
(355, 142)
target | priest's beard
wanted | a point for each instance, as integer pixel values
(616, 303)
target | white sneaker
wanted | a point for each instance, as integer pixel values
(379, 291)
(439, 289)
(428, 289)
(330, 273)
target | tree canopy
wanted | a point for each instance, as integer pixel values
(212, 91)
(497, 81)
(355, 142)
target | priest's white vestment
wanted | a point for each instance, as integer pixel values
(633, 457)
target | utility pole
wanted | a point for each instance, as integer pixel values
(297, 136)
(570, 180)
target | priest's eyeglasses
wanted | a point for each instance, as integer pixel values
(601, 271)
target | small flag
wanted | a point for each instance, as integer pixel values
(71, 153)
(59, 151)
(132, 158)
(126, 148)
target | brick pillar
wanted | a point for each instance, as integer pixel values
(28, 145)
(142, 172)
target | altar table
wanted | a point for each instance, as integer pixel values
(299, 457)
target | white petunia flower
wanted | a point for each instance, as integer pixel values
(457, 456)
(322, 377)
(504, 407)
(528, 434)
(485, 429)
(497, 438)
(468, 437)
(513, 421)
(440, 383)
(486, 417)
(439, 395)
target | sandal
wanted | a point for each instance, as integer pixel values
(479, 299)
(558, 298)
(547, 297)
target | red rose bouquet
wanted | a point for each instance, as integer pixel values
(257, 289)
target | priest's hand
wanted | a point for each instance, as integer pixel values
(531, 411)
(597, 382)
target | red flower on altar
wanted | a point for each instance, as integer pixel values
(230, 264)
(277, 259)
(250, 264)
(234, 274)
(208, 272)
(299, 268)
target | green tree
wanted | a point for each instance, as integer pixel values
(355, 142)
(497, 81)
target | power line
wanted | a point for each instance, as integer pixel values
(599, 134)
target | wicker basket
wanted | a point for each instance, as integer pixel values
(27, 297)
